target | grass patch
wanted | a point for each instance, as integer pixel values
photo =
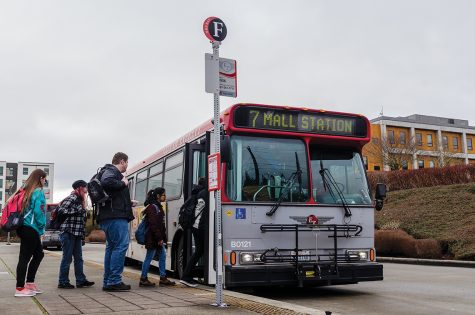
(443, 213)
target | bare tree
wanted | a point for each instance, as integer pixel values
(395, 153)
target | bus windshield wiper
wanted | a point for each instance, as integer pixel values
(297, 174)
(330, 183)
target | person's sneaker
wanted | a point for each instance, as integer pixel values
(33, 287)
(117, 287)
(20, 292)
(85, 284)
(65, 286)
(144, 282)
(189, 283)
(166, 281)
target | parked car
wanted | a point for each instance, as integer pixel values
(51, 236)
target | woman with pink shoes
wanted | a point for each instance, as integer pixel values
(31, 250)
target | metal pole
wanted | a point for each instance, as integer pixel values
(8, 238)
(217, 193)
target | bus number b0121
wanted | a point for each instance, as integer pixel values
(241, 244)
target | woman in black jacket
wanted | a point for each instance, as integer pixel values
(155, 237)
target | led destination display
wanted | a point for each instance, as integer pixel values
(299, 121)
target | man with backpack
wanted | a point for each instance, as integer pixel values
(199, 221)
(114, 215)
(73, 211)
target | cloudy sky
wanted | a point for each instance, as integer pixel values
(81, 80)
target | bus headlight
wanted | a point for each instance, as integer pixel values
(357, 255)
(249, 258)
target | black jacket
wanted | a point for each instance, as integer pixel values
(119, 205)
(201, 196)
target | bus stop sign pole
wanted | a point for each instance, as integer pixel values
(215, 30)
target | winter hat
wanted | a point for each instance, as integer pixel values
(79, 183)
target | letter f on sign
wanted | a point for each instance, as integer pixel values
(218, 28)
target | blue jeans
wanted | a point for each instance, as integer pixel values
(147, 261)
(162, 256)
(72, 247)
(117, 243)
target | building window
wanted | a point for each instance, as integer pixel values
(47, 171)
(1, 196)
(1, 170)
(451, 121)
(420, 163)
(419, 138)
(469, 144)
(431, 164)
(1, 184)
(391, 136)
(429, 140)
(455, 143)
(402, 137)
(25, 171)
(377, 168)
(445, 142)
(9, 171)
(404, 165)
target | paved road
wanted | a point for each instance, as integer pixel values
(406, 289)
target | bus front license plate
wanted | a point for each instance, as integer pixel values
(304, 255)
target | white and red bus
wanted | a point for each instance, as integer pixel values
(297, 209)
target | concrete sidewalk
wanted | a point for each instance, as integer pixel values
(159, 300)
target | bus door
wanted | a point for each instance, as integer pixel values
(196, 167)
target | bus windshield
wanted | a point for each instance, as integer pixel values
(267, 169)
(346, 169)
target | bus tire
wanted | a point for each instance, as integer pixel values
(179, 258)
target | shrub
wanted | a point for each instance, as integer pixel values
(399, 243)
(407, 179)
(97, 236)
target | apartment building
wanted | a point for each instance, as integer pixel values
(14, 175)
(418, 141)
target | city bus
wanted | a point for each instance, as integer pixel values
(296, 206)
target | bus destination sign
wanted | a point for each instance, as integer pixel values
(299, 121)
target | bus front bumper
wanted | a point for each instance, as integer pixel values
(286, 275)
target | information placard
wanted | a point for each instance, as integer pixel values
(214, 161)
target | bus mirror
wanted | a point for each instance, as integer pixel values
(380, 191)
(380, 195)
(225, 149)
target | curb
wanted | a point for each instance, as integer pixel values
(432, 262)
(289, 307)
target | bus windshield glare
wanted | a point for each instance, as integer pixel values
(267, 169)
(347, 171)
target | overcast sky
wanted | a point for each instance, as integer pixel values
(81, 80)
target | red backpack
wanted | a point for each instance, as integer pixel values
(11, 214)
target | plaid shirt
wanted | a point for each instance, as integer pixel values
(71, 206)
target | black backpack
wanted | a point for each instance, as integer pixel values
(95, 190)
(57, 218)
(186, 216)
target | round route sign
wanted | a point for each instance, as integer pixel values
(215, 29)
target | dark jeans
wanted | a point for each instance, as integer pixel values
(199, 236)
(30, 246)
(72, 247)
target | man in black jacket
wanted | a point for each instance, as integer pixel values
(114, 216)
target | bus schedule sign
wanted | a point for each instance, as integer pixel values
(214, 161)
(300, 121)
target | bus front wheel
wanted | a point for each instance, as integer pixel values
(180, 258)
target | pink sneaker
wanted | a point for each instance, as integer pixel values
(32, 287)
(20, 292)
